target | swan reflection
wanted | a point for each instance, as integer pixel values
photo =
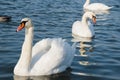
(61, 76)
(84, 44)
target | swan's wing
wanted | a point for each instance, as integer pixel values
(76, 24)
(76, 27)
(39, 49)
(98, 6)
(41, 46)
(56, 59)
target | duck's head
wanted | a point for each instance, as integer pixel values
(4, 18)
(25, 23)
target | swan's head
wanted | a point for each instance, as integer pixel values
(91, 16)
(25, 23)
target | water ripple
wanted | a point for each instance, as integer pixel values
(96, 59)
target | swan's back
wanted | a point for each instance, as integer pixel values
(76, 27)
(41, 46)
(80, 29)
(97, 6)
(54, 57)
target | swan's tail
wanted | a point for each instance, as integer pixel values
(111, 7)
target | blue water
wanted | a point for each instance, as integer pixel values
(98, 59)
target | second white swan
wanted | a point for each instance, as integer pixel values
(84, 28)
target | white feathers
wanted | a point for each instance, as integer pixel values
(56, 56)
(95, 6)
(83, 28)
(48, 56)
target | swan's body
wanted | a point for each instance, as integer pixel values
(84, 28)
(48, 56)
(95, 6)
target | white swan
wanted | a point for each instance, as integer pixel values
(95, 6)
(48, 56)
(84, 28)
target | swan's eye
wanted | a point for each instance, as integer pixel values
(94, 17)
(23, 22)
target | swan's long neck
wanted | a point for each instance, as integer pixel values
(86, 3)
(26, 54)
(27, 47)
(84, 20)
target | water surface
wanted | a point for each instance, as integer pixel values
(97, 59)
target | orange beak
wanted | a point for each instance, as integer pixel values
(20, 27)
(94, 19)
